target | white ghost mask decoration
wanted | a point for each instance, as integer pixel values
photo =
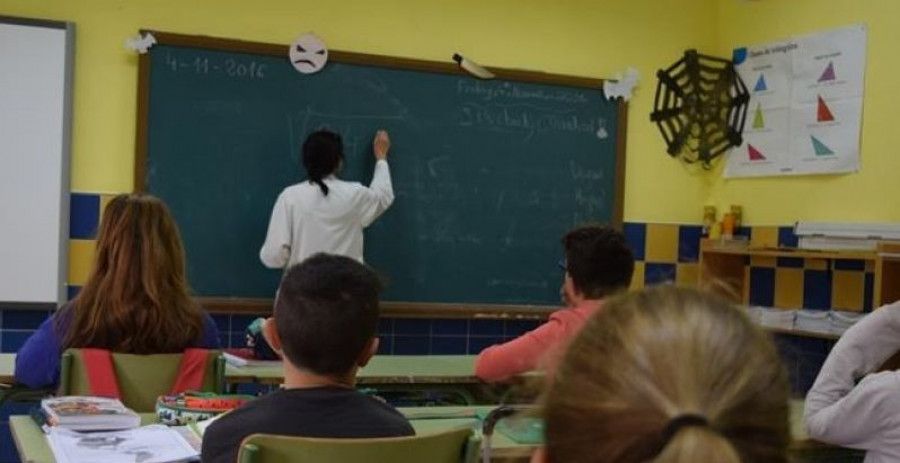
(308, 54)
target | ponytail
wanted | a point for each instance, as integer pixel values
(322, 154)
(322, 185)
(699, 445)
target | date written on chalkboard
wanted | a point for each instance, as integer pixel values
(239, 69)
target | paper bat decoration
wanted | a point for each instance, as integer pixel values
(621, 86)
(141, 43)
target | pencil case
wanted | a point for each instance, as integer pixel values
(190, 407)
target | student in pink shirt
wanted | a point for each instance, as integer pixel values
(598, 264)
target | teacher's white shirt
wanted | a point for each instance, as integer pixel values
(305, 221)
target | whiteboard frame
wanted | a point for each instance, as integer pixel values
(62, 253)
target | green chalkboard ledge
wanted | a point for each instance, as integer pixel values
(398, 309)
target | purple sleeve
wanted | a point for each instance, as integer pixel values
(210, 336)
(37, 362)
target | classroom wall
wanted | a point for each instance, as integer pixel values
(580, 37)
(872, 194)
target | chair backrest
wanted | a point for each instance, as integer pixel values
(452, 446)
(141, 378)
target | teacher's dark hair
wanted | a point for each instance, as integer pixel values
(323, 152)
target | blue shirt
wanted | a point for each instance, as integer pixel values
(37, 362)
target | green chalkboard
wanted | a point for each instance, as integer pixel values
(488, 175)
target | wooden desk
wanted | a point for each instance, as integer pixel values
(381, 370)
(7, 367)
(33, 446)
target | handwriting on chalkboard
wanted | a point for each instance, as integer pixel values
(582, 173)
(528, 120)
(308, 119)
(232, 67)
(489, 91)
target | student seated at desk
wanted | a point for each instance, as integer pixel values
(667, 375)
(598, 264)
(136, 299)
(326, 314)
(866, 415)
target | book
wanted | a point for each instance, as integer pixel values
(149, 444)
(85, 413)
(244, 357)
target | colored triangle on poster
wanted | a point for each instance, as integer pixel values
(821, 148)
(754, 153)
(758, 121)
(823, 114)
(760, 84)
(828, 73)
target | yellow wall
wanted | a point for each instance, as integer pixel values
(580, 37)
(874, 193)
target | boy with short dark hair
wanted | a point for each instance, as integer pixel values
(324, 325)
(598, 264)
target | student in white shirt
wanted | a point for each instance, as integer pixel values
(865, 415)
(325, 213)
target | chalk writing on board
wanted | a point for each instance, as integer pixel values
(240, 69)
(301, 123)
(582, 173)
(434, 165)
(489, 91)
(528, 120)
(589, 203)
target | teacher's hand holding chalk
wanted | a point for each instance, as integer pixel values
(381, 144)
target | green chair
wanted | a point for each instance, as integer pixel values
(454, 446)
(141, 378)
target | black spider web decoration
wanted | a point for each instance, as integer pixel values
(701, 104)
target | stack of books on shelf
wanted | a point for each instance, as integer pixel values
(816, 321)
(813, 321)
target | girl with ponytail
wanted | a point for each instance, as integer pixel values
(668, 375)
(324, 213)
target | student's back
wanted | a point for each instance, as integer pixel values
(136, 299)
(326, 314)
(327, 411)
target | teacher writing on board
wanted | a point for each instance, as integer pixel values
(324, 213)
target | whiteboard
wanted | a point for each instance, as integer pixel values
(36, 59)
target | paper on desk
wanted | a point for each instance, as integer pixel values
(148, 444)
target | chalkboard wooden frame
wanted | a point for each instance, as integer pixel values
(391, 309)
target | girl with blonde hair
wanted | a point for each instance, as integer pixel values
(136, 299)
(668, 375)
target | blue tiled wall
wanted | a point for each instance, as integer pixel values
(399, 336)
(16, 325)
(803, 358)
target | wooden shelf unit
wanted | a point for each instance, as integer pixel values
(724, 268)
